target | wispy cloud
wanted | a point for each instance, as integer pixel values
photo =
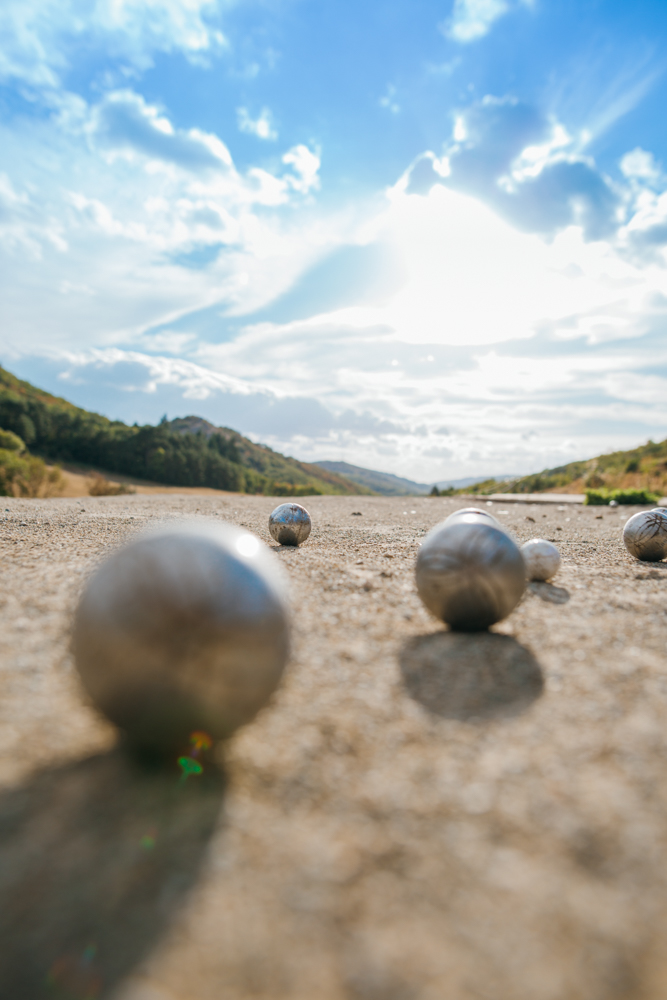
(40, 37)
(389, 100)
(527, 167)
(125, 123)
(472, 19)
(622, 98)
(262, 127)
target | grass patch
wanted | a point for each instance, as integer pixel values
(632, 497)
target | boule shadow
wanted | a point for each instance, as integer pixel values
(98, 857)
(548, 592)
(470, 676)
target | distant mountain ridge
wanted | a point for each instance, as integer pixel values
(379, 482)
(393, 486)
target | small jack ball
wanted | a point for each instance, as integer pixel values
(542, 559)
(645, 535)
(470, 575)
(183, 631)
(290, 524)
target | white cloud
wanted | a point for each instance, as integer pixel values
(641, 166)
(194, 381)
(526, 166)
(389, 101)
(261, 127)
(472, 19)
(39, 36)
(472, 278)
(305, 165)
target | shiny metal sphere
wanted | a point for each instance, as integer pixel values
(542, 559)
(645, 535)
(183, 630)
(472, 515)
(470, 575)
(290, 524)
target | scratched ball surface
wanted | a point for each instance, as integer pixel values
(472, 515)
(542, 559)
(645, 535)
(470, 575)
(290, 524)
(183, 630)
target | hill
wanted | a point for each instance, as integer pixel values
(185, 452)
(269, 463)
(379, 482)
(642, 468)
(395, 486)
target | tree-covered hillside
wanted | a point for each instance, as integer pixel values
(187, 452)
(642, 468)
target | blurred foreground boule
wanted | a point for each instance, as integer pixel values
(542, 559)
(184, 630)
(645, 535)
(470, 575)
(290, 524)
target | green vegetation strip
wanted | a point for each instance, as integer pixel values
(637, 497)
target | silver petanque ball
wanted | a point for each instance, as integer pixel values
(183, 630)
(472, 515)
(542, 559)
(470, 575)
(290, 524)
(645, 535)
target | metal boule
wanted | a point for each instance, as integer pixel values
(472, 515)
(181, 631)
(290, 524)
(470, 575)
(645, 535)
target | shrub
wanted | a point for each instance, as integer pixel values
(99, 486)
(600, 497)
(11, 442)
(290, 490)
(28, 476)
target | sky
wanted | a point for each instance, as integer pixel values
(427, 237)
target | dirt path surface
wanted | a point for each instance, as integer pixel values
(418, 815)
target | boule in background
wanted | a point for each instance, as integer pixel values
(290, 524)
(472, 515)
(645, 535)
(542, 559)
(470, 575)
(183, 630)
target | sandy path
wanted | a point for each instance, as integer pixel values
(418, 816)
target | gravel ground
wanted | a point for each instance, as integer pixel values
(419, 815)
